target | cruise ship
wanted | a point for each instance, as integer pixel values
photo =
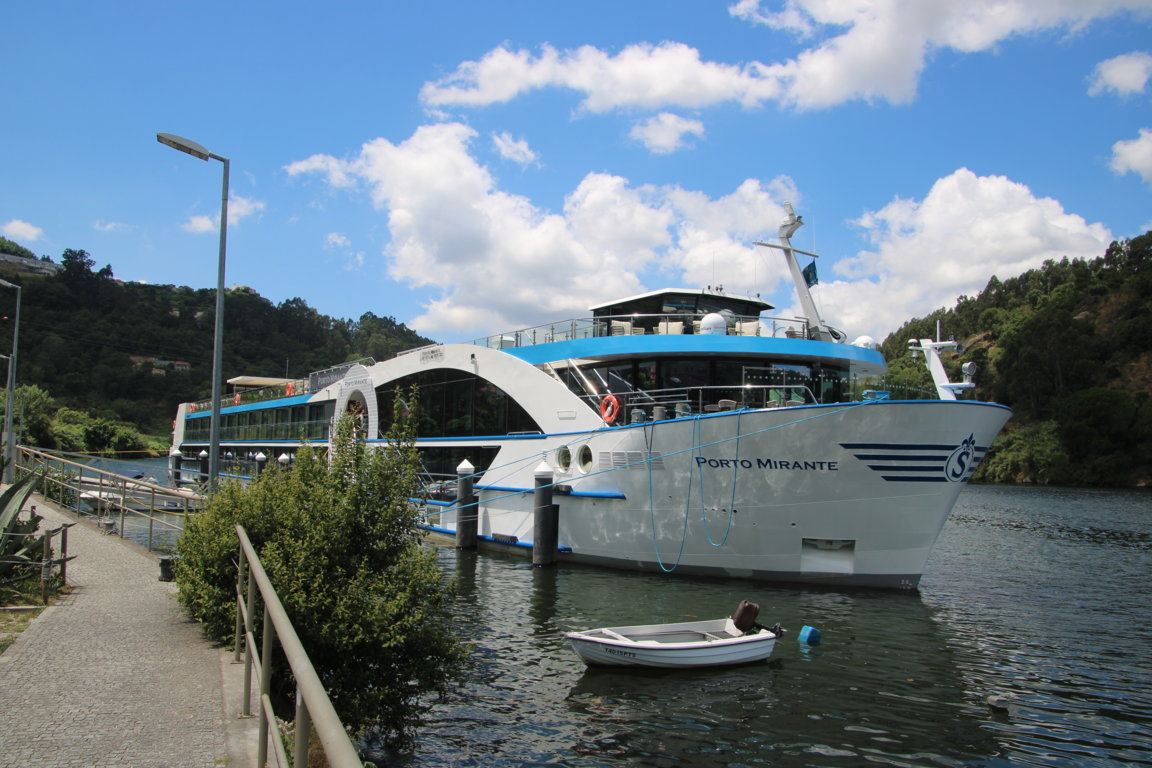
(681, 431)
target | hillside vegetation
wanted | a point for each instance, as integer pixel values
(97, 357)
(1068, 346)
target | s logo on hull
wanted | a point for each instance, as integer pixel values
(920, 463)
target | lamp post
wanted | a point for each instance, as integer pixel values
(9, 402)
(194, 149)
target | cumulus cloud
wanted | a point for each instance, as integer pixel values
(927, 253)
(1124, 75)
(664, 133)
(516, 150)
(872, 50)
(452, 229)
(15, 229)
(641, 75)
(239, 208)
(1134, 155)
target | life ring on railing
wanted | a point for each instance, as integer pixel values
(236, 399)
(609, 407)
(290, 389)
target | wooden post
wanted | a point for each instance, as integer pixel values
(45, 567)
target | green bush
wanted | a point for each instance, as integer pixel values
(339, 539)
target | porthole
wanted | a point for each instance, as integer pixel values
(584, 459)
(563, 458)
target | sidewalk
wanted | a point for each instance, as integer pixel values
(115, 674)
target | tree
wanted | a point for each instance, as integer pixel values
(14, 249)
(339, 539)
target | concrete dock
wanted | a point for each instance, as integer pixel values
(116, 674)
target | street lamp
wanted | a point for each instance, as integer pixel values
(9, 404)
(194, 149)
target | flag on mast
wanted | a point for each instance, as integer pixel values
(809, 273)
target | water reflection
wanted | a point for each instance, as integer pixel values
(1025, 646)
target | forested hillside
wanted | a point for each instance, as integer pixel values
(115, 350)
(1069, 347)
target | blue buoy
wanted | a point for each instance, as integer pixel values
(809, 635)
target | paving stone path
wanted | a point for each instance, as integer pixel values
(115, 674)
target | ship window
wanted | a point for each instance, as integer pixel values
(584, 459)
(563, 458)
(452, 403)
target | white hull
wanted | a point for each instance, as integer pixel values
(671, 646)
(853, 494)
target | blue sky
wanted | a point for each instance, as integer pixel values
(475, 167)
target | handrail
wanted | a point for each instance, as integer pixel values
(312, 703)
(111, 493)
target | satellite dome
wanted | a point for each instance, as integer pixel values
(714, 323)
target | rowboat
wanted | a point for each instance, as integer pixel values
(710, 643)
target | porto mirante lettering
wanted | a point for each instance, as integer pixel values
(792, 465)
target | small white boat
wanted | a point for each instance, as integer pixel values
(711, 643)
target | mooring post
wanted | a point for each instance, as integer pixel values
(545, 519)
(174, 459)
(467, 507)
(203, 466)
(260, 460)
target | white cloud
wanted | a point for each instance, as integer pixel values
(664, 133)
(108, 226)
(337, 240)
(872, 50)
(1122, 75)
(516, 150)
(16, 229)
(200, 224)
(1134, 155)
(927, 253)
(453, 230)
(239, 208)
(641, 75)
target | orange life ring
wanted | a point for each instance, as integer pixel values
(290, 389)
(236, 399)
(609, 407)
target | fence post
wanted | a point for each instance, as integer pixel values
(63, 555)
(45, 567)
(303, 731)
(241, 567)
(249, 621)
(265, 683)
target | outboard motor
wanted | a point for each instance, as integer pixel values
(745, 616)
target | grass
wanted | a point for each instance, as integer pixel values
(20, 604)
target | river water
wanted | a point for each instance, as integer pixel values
(1028, 644)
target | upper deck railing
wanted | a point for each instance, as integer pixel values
(641, 325)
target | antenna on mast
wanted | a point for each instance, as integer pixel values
(817, 328)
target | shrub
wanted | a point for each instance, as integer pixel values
(339, 539)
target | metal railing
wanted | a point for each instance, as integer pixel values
(637, 324)
(46, 561)
(148, 513)
(313, 707)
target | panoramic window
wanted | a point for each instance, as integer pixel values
(454, 403)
